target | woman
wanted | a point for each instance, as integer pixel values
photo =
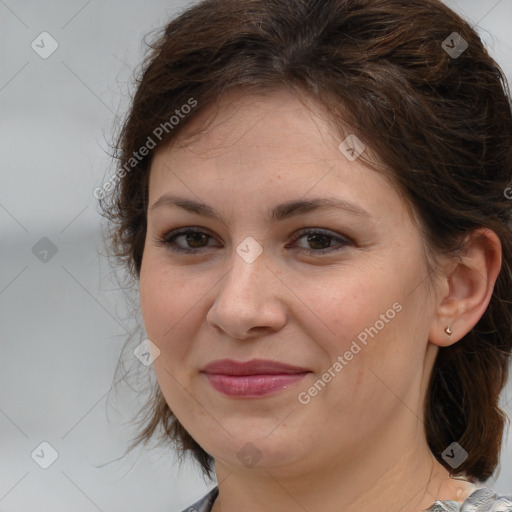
(313, 198)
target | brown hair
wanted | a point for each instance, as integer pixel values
(441, 123)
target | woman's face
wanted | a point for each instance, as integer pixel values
(348, 303)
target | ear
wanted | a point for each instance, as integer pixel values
(466, 286)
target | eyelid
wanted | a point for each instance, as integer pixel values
(167, 239)
(322, 231)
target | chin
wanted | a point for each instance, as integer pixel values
(254, 450)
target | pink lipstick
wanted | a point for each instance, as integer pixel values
(251, 379)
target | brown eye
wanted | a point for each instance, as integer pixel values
(192, 240)
(320, 241)
(196, 240)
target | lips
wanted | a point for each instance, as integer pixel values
(253, 367)
(251, 379)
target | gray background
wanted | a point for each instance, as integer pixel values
(64, 321)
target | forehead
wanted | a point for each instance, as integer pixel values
(272, 130)
(268, 147)
(241, 119)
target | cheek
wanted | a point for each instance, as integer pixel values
(153, 299)
(367, 319)
(171, 302)
(388, 371)
(163, 300)
(339, 308)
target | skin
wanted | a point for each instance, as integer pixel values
(357, 441)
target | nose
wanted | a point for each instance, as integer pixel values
(249, 301)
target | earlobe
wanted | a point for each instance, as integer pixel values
(468, 287)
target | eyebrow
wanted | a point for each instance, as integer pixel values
(277, 213)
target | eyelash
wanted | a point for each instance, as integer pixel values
(168, 240)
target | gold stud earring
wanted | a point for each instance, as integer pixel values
(448, 330)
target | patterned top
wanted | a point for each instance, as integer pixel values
(481, 500)
(205, 504)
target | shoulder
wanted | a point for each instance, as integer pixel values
(481, 500)
(205, 503)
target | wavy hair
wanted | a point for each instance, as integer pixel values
(437, 115)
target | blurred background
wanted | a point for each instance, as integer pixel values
(66, 72)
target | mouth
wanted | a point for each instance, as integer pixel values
(251, 379)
